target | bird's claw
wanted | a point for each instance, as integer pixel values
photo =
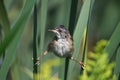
(82, 65)
(37, 61)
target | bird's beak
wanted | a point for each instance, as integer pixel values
(55, 31)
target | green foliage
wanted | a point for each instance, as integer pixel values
(97, 65)
(12, 39)
(99, 18)
(4, 22)
(78, 33)
(46, 70)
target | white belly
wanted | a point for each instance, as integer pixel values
(62, 48)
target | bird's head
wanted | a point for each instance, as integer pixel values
(60, 32)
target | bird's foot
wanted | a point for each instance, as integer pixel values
(37, 61)
(82, 64)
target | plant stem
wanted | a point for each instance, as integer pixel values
(34, 41)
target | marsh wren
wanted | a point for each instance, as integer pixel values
(62, 44)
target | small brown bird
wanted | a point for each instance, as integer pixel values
(62, 44)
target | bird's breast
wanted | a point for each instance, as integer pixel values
(62, 48)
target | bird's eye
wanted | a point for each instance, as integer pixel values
(65, 36)
(60, 30)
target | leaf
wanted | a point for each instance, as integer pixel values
(13, 38)
(113, 46)
(42, 23)
(113, 42)
(4, 22)
(78, 34)
(117, 67)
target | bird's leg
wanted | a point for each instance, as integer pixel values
(45, 53)
(38, 59)
(79, 62)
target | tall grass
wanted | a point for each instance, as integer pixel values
(13, 38)
(76, 15)
(78, 34)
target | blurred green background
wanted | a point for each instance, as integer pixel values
(94, 25)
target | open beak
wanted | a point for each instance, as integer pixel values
(55, 31)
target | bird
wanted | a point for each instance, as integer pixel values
(62, 44)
